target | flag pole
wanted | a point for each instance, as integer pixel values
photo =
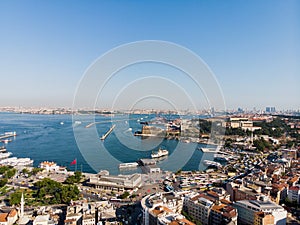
(76, 165)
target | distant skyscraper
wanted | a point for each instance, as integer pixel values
(270, 109)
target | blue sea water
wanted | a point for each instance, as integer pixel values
(60, 139)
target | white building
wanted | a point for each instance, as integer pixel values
(163, 208)
(52, 167)
(8, 218)
(41, 220)
(88, 219)
(116, 183)
(248, 208)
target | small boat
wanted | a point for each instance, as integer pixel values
(5, 141)
(61, 123)
(2, 149)
(159, 153)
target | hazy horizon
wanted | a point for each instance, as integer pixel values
(252, 48)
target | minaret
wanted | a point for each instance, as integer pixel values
(22, 206)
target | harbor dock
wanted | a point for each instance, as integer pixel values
(8, 135)
(210, 150)
(108, 132)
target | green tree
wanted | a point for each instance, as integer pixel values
(52, 192)
(15, 197)
(76, 178)
(35, 170)
(10, 173)
(4, 169)
(124, 195)
(25, 171)
(3, 182)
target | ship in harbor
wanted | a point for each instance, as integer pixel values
(160, 153)
(221, 157)
(2, 149)
(128, 165)
(14, 161)
(6, 141)
(5, 155)
(212, 163)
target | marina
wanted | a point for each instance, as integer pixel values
(55, 142)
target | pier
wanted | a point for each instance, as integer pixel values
(210, 150)
(8, 135)
(108, 132)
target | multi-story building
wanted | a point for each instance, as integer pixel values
(163, 208)
(222, 214)
(198, 207)
(164, 216)
(116, 183)
(279, 192)
(218, 194)
(270, 109)
(88, 219)
(294, 194)
(239, 192)
(248, 208)
(262, 218)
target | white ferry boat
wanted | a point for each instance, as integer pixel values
(128, 165)
(2, 149)
(212, 163)
(5, 155)
(221, 157)
(159, 153)
(14, 161)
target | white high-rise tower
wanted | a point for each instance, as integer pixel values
(22, 206)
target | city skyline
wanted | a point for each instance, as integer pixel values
(252, 48)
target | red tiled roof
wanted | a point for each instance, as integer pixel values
(294, 188)
(294, 179)
(212, 193)
(3, 217)
(12, 213)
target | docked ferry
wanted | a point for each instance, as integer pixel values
(159, 153)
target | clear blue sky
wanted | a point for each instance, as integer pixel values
(253, 47)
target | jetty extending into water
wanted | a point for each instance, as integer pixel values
(8, 135)
(108, 132)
